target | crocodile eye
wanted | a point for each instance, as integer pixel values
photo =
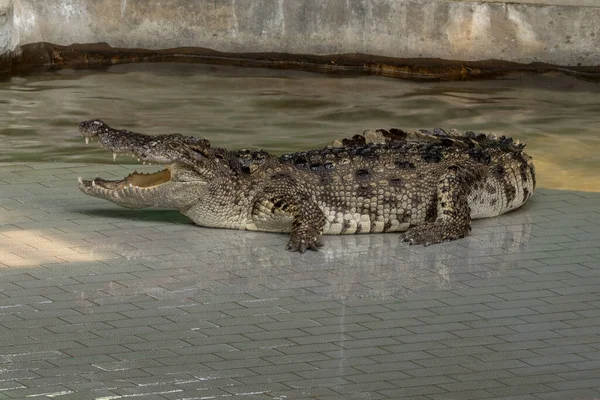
(201, 152)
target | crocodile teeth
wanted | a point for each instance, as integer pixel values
(131, 185)
(114, 156)
(80, 180)
(87, 140)
(93, 183)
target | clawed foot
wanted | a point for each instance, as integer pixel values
(434, 232)
(302, 244)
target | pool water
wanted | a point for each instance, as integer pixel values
(280, 111)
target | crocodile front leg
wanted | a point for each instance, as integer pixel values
(453, 213)
(284, 202)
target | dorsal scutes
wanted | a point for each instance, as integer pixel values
(452, 138)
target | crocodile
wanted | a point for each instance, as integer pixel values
(427, 184)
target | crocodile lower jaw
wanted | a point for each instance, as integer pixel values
(135, 182)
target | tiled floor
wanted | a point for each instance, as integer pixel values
(100, 302)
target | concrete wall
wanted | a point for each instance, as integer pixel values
(563, 34)
(6, 32)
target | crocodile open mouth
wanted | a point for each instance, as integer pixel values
(135, 180)
(132, 183)
(176, 185)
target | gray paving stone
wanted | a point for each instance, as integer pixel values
(543, 369)
(482, 375)
(504, 355)
(546, 360)
(583, 365)
(469, 385)
(552, 316)
(343, 362)
(486, 323)
(458, 351)
(381, 367)
(433, 371)
(466, 394)
(568, 349)
(360, 352)
(587, 374)
(569, 340)
(541, 326)
(528, 336)
(569, 394)
(18, 391)
(86, 310)
(365, 387)
(468, 342)
(520, 389)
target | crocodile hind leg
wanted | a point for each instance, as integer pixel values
(284, 201)
(453, 213)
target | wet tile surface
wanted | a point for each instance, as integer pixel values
(100, 302)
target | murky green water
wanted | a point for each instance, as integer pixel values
(558, 116)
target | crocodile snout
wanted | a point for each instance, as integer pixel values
(91, 127)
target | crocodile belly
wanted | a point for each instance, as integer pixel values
(339, 223)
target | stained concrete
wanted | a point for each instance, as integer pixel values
(561, 32)
(6, 33)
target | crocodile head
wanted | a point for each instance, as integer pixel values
(187, 168)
